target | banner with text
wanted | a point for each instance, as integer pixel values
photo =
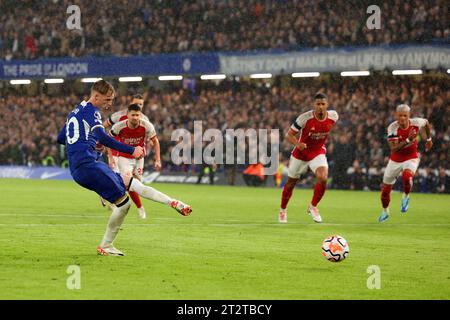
(164, 64)
(322, 60)
(336, 60)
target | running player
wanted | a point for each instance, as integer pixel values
(404, 160)
(308, 134)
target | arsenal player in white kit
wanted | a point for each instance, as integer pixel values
(404, 158)
(113, 155)
(135, 131)
(308, 134)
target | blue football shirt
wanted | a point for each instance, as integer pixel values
(80, 138)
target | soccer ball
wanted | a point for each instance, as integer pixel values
(335, 248)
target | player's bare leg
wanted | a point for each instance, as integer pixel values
(116, 219)
(319, 191)
(137, 201)
(155, 195)
(407, 182)
(286, 195)
(385, 200)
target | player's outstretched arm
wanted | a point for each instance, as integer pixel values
(109, 142)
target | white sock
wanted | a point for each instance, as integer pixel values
(149, 193)
(404, 195)
(386, 210)
(115, 221)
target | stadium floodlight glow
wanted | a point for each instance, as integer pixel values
(170, 78)
(354, 73)
(90, 80)
(406, 72)
(305, 74)
(54, 80)
(213, 76)
(261, 76)
(130, 79)
(20, 81)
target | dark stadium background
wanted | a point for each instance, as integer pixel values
(36, 31)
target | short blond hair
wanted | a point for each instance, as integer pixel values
(403, 108)
(103, 87)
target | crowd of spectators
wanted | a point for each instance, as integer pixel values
(357, 148)
(33, 29)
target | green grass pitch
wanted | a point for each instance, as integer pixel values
(231, 247)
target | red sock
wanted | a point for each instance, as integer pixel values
(287, 193)
(386, 195)
(135, 197)
(407, 180)
(319, 191)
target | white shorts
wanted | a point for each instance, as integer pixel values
(299, 167)
(134, 167)
(394, 169)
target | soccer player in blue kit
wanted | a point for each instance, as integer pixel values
(81, 133)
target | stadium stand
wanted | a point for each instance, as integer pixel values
(357, 147)
(37, 29)
(357, 152)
